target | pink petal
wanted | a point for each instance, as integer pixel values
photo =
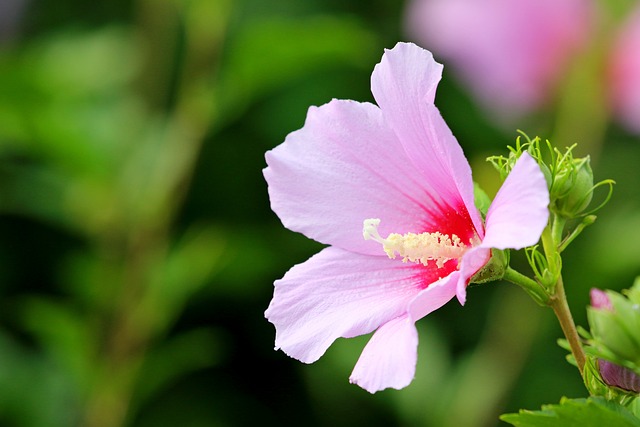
(472, 261)
(434, 297)
(404, 84)
(339, 294)
(510, 53)
(389, 358)
(625, 73)
(344, 166)
(600, 300)
(519, 211)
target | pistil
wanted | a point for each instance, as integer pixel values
(418, 248)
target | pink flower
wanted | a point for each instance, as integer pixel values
(510, 52)
(394, 170)
(625, 73)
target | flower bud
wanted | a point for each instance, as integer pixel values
(615, 375)
(615, 327)
(572, 189)
(600, 300)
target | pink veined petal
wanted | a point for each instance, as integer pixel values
(339, 294)
(389, 358)
(404, 84)
(519, 211)
(472, 261)
(344, 166)
(434, 297)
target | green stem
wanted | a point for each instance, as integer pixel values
(587, 221)
(530, 286)
(561, 309)
(548, 244)
(557, 228)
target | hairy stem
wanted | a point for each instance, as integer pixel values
(561, 308)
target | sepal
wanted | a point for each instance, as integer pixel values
(494, 269)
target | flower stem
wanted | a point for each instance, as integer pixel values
(558, 303)
(530, 286)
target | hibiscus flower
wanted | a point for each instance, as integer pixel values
(392, 170)
(511, 53)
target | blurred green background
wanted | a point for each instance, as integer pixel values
(138, 250)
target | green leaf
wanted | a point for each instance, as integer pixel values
(481, 199)
(175, 357)
(595, 412)
(269, 53)
(64, 333)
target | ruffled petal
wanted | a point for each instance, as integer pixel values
(389, 358)
(339, 294)
(344, 166)
(404, 85)
(519, 211)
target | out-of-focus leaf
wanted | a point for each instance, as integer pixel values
(184, 272)
(264, 55)
(170, 360)
(65, 97)
(84, 64)
(65, 334)
(592, 412)
(34, 391)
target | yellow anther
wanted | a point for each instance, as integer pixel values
(422, 248)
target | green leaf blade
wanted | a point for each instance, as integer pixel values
(592, 412)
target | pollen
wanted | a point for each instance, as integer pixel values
(419, 248)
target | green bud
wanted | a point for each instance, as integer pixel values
(572, 188)
(615, 327)
(609, 332)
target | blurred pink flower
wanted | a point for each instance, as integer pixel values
(625, 73)
(395, 168)
(510, 52)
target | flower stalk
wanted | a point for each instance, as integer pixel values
(558, 303)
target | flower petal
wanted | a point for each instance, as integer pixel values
(339, 294)
(389, 358)
(404, 85)
(624, 77)
(619, 376)
(344, 166)
(519, 211)
(510, 53)
(472, 261)
(434, 296)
